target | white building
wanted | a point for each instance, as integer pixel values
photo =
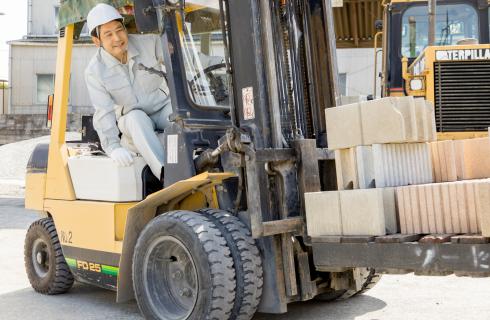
(33, 59)
(32, 63)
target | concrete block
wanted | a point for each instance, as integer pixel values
(450, 207)
(368, 212)
(425, 117)
(431, 120)
(354, 168)
(386, 165)
(401, 164)
(344, 128)
(461, 159)
(475, 158)
(365, 167)
(444, 159)
(483, 208)
(389, 120)
(346, 169)
(421, 120)
(323, 215)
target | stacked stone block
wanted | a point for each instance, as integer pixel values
(450, 207)
(383, 165)
(378, 144)
(386, 163)
(387, 120)
(351, 212)
(461, 159)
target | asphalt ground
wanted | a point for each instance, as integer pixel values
(395, 297)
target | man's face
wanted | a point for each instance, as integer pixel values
(113, 37)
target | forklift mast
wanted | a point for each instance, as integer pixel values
(280, 58)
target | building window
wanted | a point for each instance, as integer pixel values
(56, 13)
(45, 87)
(343, 84)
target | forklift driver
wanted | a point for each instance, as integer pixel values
(125, 96)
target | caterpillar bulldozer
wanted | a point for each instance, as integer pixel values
(445, 62)
(224, 236)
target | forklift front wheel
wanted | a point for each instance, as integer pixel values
(182, 269)
(45, 265)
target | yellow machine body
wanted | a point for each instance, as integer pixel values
(98, 237)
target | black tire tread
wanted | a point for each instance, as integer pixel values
(63, 278)
(218, 256)
(246, 259)
(371, 280)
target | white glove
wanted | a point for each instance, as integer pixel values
(122, 157)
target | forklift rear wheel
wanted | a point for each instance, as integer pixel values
(45, 264)
(368, 277)
(246, 260)
(183, 269)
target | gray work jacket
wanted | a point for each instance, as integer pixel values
(114, 91)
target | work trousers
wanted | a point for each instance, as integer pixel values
(139, 136)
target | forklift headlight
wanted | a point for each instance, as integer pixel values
(416, 84)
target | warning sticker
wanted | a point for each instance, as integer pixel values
(248, 103)
(172, 148)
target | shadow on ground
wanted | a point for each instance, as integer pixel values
(337, 310)
(88, 302)
(81, 302)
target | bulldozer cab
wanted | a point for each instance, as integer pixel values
(412, 67)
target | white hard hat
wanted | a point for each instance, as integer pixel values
(101, 14)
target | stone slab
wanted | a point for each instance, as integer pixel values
(444, 208)
(444, 160)
(354, 168)
(475, 158)
(344, 129)
(389, 120)
(346, 169)
(483, 208)
(365, 167)
(368, 212)
(386, 165)
(401, 164)
(461, 159)
(361, 212)
(431, 120)
(386, 120)
(323, 215)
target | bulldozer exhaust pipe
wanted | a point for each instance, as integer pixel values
(432, 21)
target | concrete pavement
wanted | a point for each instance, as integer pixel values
(395, 297)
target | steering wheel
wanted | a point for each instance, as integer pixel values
(217, 85)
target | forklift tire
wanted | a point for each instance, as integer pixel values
(183, 269)
(371, 279)
(246, 260)
(45, 264)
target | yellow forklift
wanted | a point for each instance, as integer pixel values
(225, 234)
(446, 61)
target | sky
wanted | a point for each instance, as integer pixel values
(13, 25)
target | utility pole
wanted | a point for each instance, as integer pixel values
(3, 85)
(432, 21)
